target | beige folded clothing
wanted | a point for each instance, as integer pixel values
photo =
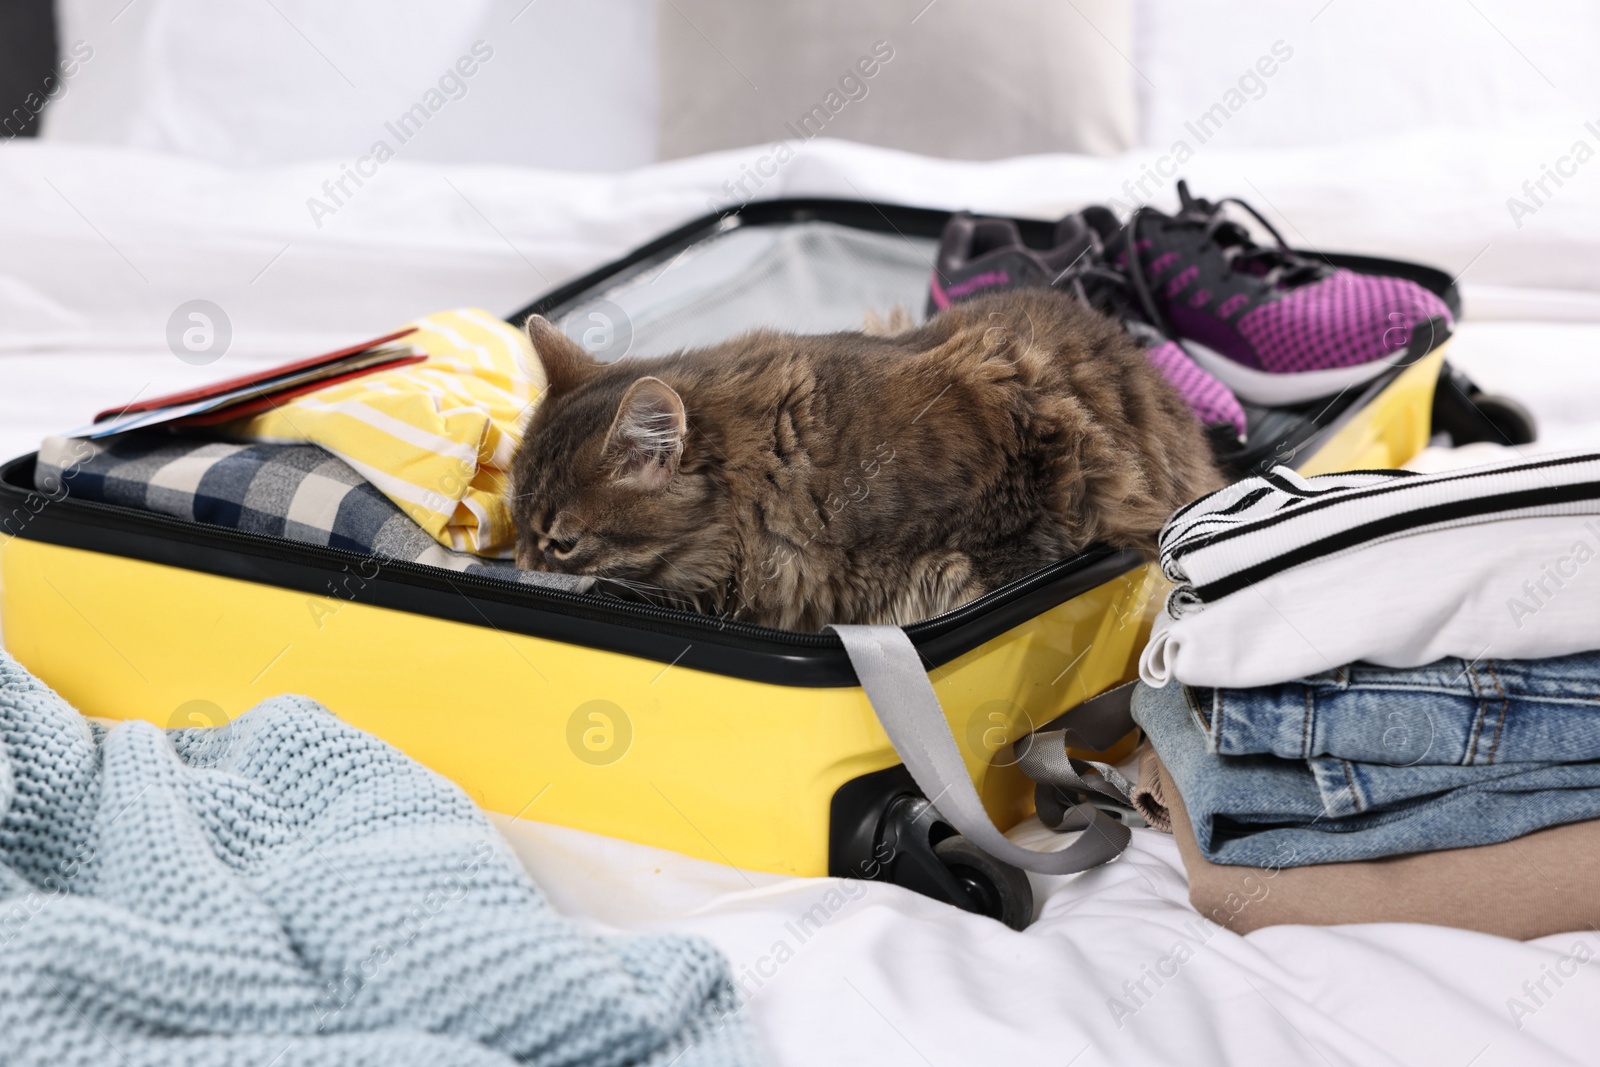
(1149, 795)
(1545, 883)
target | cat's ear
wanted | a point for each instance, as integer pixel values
(557, 358)
(646, 438)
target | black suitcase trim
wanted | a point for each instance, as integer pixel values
(722, 646)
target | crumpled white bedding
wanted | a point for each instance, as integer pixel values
(102, 243)
(98, 246)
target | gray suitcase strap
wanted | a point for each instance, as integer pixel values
(891, 673)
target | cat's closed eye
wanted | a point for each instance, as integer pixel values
(553, 547)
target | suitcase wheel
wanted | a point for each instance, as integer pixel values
(1468, 414)
(1511, 420)
(929, 857)
(883, 829)
(994, 888)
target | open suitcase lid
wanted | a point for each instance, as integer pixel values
(808, 265)
(818, 265)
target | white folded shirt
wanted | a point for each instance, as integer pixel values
(1521, 588)
(1261, 527)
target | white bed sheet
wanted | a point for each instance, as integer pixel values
(101, 244)
(97, 246)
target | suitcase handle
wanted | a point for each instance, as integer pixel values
(891, 673)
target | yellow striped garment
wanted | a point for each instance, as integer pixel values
(435, 437)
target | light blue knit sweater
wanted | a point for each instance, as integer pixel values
(287, 890)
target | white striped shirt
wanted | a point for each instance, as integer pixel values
(1266, 524)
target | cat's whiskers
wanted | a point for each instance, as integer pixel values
(671, 597)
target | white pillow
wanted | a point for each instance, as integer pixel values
(1346, 70)
(961, 79)
(555, 83)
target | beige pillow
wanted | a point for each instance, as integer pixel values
(962, 79)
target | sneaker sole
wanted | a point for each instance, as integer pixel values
(1284, 390)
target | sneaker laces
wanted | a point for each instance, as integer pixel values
(1095, 284)
(1089, 276)
(1280, 264)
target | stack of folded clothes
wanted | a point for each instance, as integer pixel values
(1375, 697)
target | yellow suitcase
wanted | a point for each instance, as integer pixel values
(734, 743)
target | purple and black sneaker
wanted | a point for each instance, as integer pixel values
(1276, 326)
(981, 255)
(1109, 291)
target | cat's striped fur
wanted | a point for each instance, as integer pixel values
(853, 478)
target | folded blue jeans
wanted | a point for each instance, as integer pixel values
(1268, 811)
(1452, 712)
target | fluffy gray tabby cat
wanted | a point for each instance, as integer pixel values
(853, 478)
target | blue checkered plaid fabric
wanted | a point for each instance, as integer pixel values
(298, 492)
